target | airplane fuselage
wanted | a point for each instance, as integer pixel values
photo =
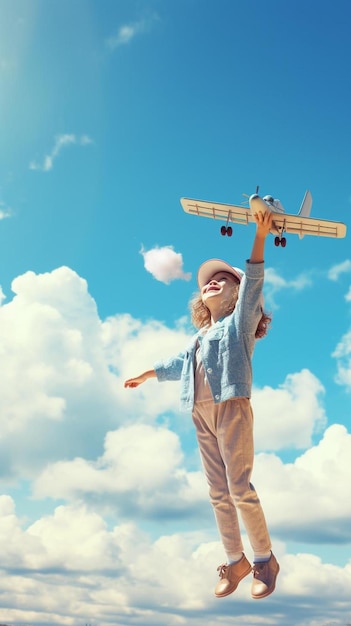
(260, 204)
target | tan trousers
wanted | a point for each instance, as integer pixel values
(225, 436)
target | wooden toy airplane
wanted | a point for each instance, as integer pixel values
(300, 224)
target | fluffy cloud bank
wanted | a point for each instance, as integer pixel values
(141, 474)
(56, 380)
(70, 567)
(308, 500)
(119, 460)
(61, 387)
(287, 417)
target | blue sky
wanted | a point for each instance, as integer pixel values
(110, 113)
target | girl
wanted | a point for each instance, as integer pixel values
(216, 378)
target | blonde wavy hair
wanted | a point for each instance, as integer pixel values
(201, 316)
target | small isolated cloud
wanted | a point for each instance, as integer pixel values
(61, 141)
(342, 354)
(127, 32)
(4, 211)
(275, 283)
(164, 264)
(340, 268)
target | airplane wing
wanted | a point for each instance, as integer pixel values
(283, 222)
(308, 226)
(217, 211)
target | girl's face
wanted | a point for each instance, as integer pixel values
(220, 289)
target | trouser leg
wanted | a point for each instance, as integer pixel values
(235, 442)
(215, 472)
(226, 444)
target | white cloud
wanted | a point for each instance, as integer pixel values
(287, 417)
(132, 347)
(275, 283)
(308, 500)
(5, 211)
(56, 380)
(61, 141)
(342, 354)
(61, 391)
(80, 535)
(164, 264)
(62, 387)
(69, 567)
(64, 367)
(341, 268)
(2, 296)
(127, 32)
(141, 473)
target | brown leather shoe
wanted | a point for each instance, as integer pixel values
(265, 575)
(230, 576)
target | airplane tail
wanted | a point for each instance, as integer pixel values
(305, 208)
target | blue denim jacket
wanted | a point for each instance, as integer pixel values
(226, 348)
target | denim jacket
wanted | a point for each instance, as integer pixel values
(226, 348)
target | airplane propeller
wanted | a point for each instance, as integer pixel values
(246, 195)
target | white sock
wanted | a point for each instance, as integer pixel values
(262, 558)
(234, 558)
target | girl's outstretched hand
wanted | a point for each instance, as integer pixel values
(134, 382)
(263, 222)
(138, 380)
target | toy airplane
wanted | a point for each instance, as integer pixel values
(300, 224)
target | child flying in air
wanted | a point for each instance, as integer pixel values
(215, 372)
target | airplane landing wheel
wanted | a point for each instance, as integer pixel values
(226, 230)
(276, 241)
(283, 242)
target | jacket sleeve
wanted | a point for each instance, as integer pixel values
(170, 369)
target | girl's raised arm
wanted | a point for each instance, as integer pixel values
(264, 225)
